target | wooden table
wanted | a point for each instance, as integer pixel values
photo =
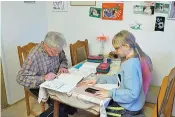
(57, 102)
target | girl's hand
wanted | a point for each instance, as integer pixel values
(102, 93)
(87, 82)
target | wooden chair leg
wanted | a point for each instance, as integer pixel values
(56, 108)
(42, 106)
(27, 102)
(96, 116)
(33, 113)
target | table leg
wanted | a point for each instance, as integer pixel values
(56, 108)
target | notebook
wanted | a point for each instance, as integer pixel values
(106, 86)
(65, 82)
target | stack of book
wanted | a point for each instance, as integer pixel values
(95, 59)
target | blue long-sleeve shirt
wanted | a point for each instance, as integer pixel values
(130, 94)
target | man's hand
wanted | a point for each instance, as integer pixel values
(63, 70)
(102, 93)
(50, 76)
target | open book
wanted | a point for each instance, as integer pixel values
(67, 81)
(64, 82)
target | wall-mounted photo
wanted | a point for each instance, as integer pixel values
(161, 8)
(83, 3)
(138, 9)
(148, 10)
(60, 6)
(95, 12)
(160, 23)
(112, 11)
(148, 3)
(171, 14)
(141, 9)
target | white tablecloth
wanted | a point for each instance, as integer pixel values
(93, 105)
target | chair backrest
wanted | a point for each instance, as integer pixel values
(79, 51)
(166, 96)
(24, 51)
(168, 100)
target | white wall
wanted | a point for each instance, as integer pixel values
(0, 29)
(77, 25)
(21, 23)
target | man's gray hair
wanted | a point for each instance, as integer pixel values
(55, 40)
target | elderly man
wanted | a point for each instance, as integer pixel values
(43, 63)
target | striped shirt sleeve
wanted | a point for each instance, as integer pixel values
(27, 75)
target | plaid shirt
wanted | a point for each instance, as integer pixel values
(37, 65)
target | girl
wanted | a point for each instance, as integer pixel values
(129, 98)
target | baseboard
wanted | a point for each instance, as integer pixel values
(9, 105)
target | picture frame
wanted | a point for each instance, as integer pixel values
(112, 11)
(142, 9)
(95, 12)
(60, 6)
(161, 8)
(171, 13)
(83, 3)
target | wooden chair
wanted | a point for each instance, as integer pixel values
(165, 97)
(22, 53)
(166, 104)
(79, 51)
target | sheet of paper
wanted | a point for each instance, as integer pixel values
(57, 86)
(89, 67)
(66, 82)
(106, 86)
(54, 84)
(69, 78)
(66, 88)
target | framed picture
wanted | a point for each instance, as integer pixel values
(83, 3)
(160, 23)
(60, 6)
(148, 10)
(148, 3)
(95, 12)
(171, 14)
(161, 8)
(138, 9)
(141, 9)
(112, 11)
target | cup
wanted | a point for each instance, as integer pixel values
(109, 60)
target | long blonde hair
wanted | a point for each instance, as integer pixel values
(125, 37)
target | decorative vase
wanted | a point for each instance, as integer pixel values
(102, 39)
